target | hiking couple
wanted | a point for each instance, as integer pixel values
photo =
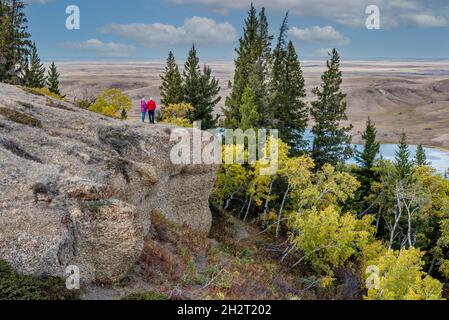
(149, 106)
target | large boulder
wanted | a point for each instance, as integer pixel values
(78, 188)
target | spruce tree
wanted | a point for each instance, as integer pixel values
(331, 139)
(251, 67)
(277, 84)
(34, 74)
(403, 164)
(201, 90)
(288, 111)
(171, 89)
(260, 68)
(53, 79)
(366, 158)
(242, 69)
(209, 98)
(191, 79)
(248, 110)
(421, 158)
(14, 40)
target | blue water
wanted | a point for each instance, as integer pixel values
(437, 158)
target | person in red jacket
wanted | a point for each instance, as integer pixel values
(151, 109)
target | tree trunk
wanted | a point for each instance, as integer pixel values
(267, 202)
(281, 210)
(228, 202)
(243, 208)
(249, 206)
(378, 220)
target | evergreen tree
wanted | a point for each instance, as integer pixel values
(331, 139)
(403, 164)
(171, 89)
(34, 73)
(191, 79)
(200, 90)
(53, 79)
(209, 98)
(288, 111)
(14, 40)
(260, 68)
(367, 157)
(421, 158)
(248, 110)
(251, 67)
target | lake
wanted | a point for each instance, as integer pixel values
(437, 158)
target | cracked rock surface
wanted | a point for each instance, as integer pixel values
(80, 188)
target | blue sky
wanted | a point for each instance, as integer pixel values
(148, 29)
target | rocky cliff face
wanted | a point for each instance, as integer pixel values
(77, 188)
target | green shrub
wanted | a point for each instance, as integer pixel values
(14, 286)
(112, 103)
(43, 92)
(83, 104)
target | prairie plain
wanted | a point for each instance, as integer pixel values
(410, 96)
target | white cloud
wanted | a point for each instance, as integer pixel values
(105, 49)
(198, 30)
(426, 20)
(346, 12)
(319, 34)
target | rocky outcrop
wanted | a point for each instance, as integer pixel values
(79, 188)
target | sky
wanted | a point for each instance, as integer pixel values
(148, 29)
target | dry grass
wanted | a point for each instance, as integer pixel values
(186, 265)
(20, 117)
(17, 150)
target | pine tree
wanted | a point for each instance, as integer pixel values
(200, 90)
(260, 68)
(53, 79)
(191, 79)
(171, 89)
(248, 110)
(277, 84)
(14, 40)
(34, 74)
(251, 67)
(209, 98)
(331, 139)
(288, 111)
(242, 69)
(421, 158)
(403, 164)
(367, 157)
